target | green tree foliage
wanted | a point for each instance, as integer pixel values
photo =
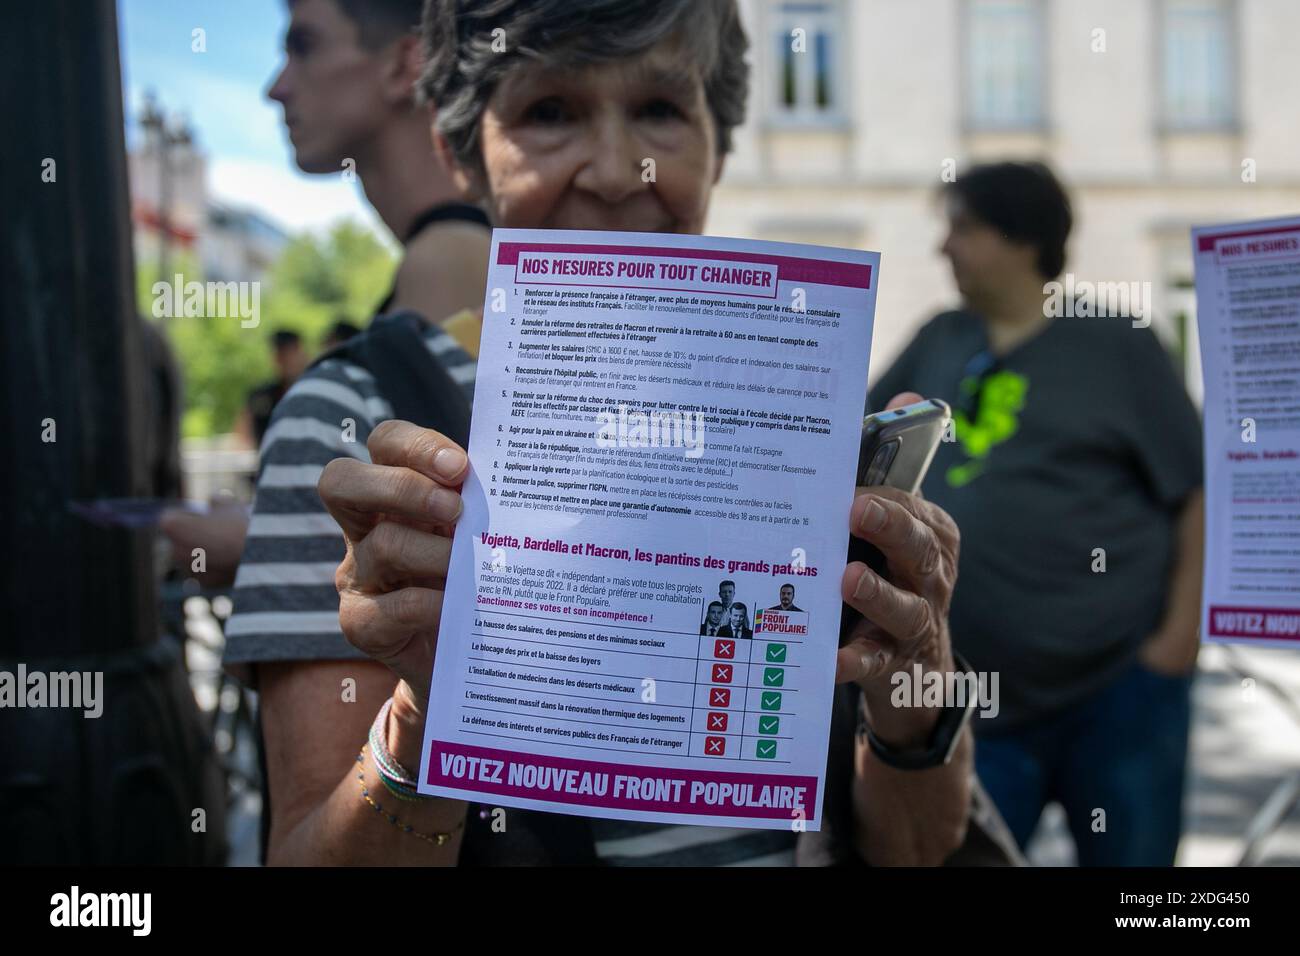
(317, 281)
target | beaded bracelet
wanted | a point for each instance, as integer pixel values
(437, 839)
(399, 781)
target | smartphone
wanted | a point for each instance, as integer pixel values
(896, 450)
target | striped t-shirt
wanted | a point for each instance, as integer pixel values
(287, 608)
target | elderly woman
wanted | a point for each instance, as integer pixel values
(545, 111)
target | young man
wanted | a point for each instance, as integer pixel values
(348, 92)
(1075, 479)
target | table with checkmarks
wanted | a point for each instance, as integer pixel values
(639, 621)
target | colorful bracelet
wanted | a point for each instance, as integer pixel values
(437, 839)
(399, 781)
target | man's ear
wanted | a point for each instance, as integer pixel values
(403, 69)
(469, 183)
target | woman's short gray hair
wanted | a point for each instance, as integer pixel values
(462, 68)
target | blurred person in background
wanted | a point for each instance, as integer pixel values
(348, 92)
(1075, 478)
(340, 332)
(290, 359)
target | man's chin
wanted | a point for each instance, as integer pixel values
(316, 164)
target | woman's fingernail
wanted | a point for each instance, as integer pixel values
(445, 504)
(449, 463)
(866, 585)
(873, 516)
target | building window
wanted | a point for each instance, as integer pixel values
(1199, 92)
(808, 38)
(1004, 64)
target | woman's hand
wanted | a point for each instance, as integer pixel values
(397, 515)
(904, 619)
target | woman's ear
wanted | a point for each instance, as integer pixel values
(469, 183)
(717, 166)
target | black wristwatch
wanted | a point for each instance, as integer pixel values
(943, 739)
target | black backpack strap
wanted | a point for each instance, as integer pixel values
(420, 390)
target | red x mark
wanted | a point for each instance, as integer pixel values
(724, 648)
(718, 722)
(719, 697)
(722, 673)
(715, 746)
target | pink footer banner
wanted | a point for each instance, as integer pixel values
(593, 783)
(1272, 623)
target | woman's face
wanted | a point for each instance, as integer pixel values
(570, 149)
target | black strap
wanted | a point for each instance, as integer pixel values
(447, 212)
(443, 212)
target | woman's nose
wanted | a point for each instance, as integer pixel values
(613, 169)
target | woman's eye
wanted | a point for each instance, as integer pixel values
(661, 109)
(549, 110)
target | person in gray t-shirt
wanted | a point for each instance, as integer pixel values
(1075, 478)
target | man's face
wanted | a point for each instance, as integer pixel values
(787, 596)
(290, 360)
(567, 149)
(983, 261)
(715, 614)
(726, 592)
(330, 87)
(737, 617)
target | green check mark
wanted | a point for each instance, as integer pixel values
(773, 676)
(776, 653)
(766, 749)
(769, 725)
(770, 701)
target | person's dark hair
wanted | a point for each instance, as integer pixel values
(1023, 201)
(725, 583)
(784, 586)
(713, 604)
(285, 339)
(380, 22)
(462, 69)
(341, 331)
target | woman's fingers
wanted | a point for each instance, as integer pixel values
(906, 617)
(431, 453)
(398, 629)
(889, 519)
(394, 554)
(355, 494)
(903, 398)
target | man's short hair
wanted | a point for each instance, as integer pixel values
(462, 69)
(725, 583)
(1023, 201)
(713, 604)
(285, 339)
(784, 586)
(342, 330)
(380, 22)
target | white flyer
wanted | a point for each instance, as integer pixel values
(642, 610)
(1248, 309)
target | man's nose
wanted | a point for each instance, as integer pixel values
(613, 170)
(279, 88)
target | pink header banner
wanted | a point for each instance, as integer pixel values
(790, 269)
